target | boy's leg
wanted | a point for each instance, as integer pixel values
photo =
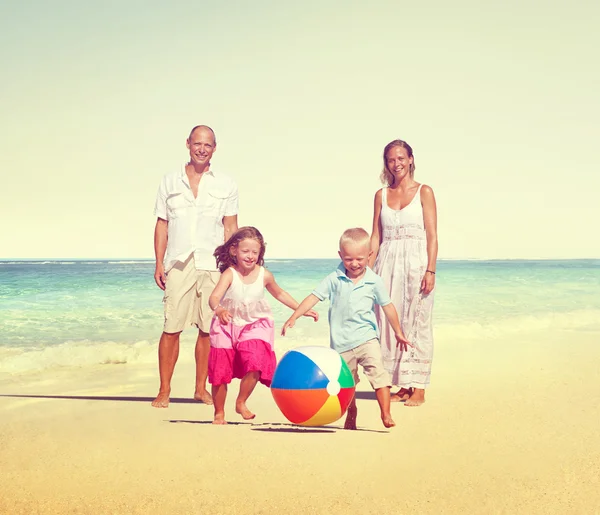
(350, 358)
(247, 386)
(369, 357)
(219, 394)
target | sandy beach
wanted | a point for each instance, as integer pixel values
(508, 427)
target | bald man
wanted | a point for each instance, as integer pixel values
(196, 210)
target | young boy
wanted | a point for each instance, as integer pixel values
(353, 289)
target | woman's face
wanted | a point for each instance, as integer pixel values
(398, 163)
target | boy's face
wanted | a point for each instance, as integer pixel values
(355, 257)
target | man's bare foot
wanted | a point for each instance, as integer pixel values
(350, 420)
(219, 419)
(203, 396)
(388, 421)
(401, 395)
(162, 400)
(417, 397)
(242, 409)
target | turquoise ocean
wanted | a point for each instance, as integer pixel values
(70, 313)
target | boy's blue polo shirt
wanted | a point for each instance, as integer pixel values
(351, 316)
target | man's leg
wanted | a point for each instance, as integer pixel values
(168, 352)
(201, 353)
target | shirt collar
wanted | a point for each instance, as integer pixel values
(370, 277)
(184, 176)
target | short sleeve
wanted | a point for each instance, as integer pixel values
(323, 291)
(160, 207)
(232, 203)
(382, 296)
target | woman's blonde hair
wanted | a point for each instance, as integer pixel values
(387, 177)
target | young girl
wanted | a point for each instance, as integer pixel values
(242, 330)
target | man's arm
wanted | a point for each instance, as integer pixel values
(160, 248)
(230, 225)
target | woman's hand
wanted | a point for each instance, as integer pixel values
(427, 283)
(223, 315)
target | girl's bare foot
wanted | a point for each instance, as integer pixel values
(162, 400)
(416, 398)
(242, 409)
(401, 395)
(219, 419)
(203, 396)
(387, 420)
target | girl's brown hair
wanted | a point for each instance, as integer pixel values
(223, 254)
(387, 177)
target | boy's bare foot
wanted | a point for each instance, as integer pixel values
(219, 419)
(417, 397)
(203, 396)
(388, 421)
(162, 400)
(242, 409)
(401, 395)
(350, 420)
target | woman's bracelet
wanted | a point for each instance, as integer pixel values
(430, 271)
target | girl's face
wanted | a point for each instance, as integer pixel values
(398, 163)
(246, 254)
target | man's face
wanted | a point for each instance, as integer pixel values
(355, 257)
(202, 146)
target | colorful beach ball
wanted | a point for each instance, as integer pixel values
(312, 386)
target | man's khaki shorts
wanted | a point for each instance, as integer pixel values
(368, 356)
(186, 297)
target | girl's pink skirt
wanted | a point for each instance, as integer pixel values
(248, 356)
(237, 350)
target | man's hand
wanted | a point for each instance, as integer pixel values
(160, 277)
(402, 342)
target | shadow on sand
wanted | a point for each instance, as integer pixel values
(173, 400)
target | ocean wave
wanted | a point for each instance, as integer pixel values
(586, 320)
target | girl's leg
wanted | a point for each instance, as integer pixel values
(247, 385)
(219, 394)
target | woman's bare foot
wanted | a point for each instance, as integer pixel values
(203, 396)
(242, 409)
(401, 395)
(416, 398)
(162, 400)
(219, 419)
(387, 420)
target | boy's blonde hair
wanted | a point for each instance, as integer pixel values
(355, 235)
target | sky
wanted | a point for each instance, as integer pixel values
(498, 101)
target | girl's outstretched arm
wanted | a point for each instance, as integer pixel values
(217, 294)
(376, 233)
(283, 296)
(304, 308)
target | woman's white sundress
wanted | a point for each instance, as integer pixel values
(401, 263)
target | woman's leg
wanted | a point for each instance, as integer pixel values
(247, 385)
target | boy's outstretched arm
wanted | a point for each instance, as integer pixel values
(392, 317)
(305, 306)
(283, 296)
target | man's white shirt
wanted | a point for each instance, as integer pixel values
(195, 225)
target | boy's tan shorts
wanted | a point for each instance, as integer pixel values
(186, 297)
(368, 356)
